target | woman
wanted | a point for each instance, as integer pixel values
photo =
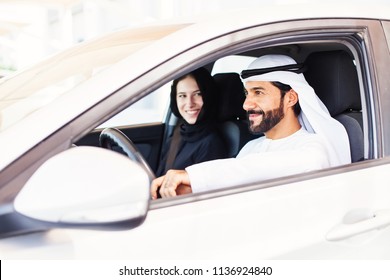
(196, 138)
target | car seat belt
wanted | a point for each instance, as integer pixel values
(173, 148)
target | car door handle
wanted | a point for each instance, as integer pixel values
(378, 220)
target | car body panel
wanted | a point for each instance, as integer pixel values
(315, 207)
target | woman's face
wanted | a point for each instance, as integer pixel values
(189, 99)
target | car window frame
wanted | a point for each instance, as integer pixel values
(363, 54)
(382, 62)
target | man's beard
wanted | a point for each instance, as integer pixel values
(270, 119)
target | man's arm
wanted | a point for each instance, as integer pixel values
(226, 173)
(175, 182)
(304, 156)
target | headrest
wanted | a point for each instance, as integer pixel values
(334, 78)
(231, 96)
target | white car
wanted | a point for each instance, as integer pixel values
(64, 197)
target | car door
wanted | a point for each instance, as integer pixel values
(337, 213)
(340, 212)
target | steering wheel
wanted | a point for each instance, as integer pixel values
(116, 140)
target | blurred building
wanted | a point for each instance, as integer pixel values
(33, 29)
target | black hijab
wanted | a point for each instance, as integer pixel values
(191, 134)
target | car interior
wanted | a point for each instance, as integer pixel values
(330, 70)
(333, 75)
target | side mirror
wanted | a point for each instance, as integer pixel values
(86, 187)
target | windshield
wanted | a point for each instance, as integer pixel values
(30, 90)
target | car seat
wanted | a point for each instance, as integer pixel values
(231, 115)
(334, 78)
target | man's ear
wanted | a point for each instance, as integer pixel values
(292, 98)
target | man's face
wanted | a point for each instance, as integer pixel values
(264, 106)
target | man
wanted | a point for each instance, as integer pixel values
(299, 134)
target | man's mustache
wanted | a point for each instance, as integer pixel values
(258, 112)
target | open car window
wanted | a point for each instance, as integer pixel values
(321, 57)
